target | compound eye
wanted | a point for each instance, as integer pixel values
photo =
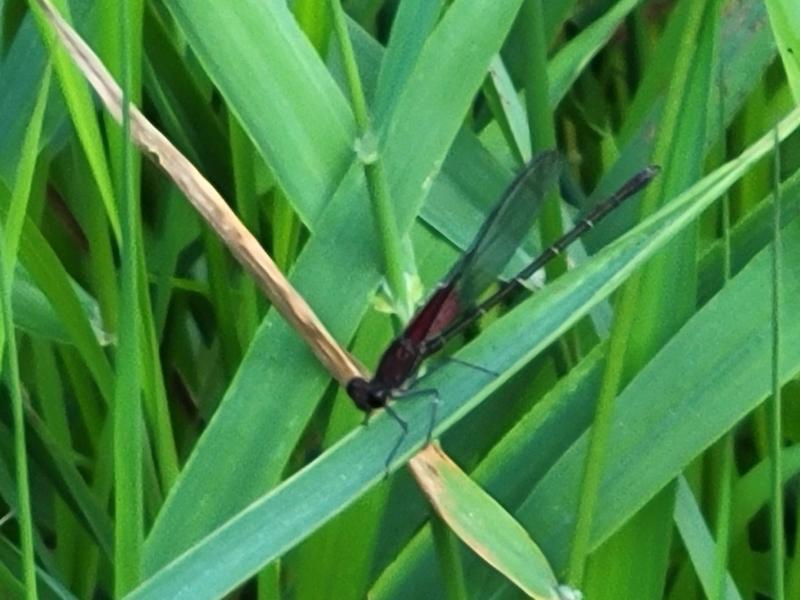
(376, 400)
(359, 392)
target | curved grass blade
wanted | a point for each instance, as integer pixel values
(698, 541)
(483, 525)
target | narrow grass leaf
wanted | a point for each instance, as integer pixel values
(34, 314)
(81, 108)
(71, 485)
(508, 110)
(785, 21)
(10, 232)
(745, 51)
(49, 275)
(775, 403)
(752, 492)
(411, 27)
(48, 586)
(698, 541)
(23, 63)
(127, 408)
(15, 217)
(278, 87)
(567, 65)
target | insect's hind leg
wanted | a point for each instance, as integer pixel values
(472, 366)
(400, 438)
(435, 402)
(446, 359)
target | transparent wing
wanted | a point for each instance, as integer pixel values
(502, 232)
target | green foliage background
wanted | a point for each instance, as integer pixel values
(182, 441)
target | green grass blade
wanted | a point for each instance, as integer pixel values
(127, 407)
(413, 24)
(49, 587)
(277, 86)
(570, 61)
(24, 63)
(69, 483)
(81, 108)
(753, 491)
(482, 523)
(698, 541)
(785, 21)
(775, 404)
(11, 231)
(375, 174)
(15, 217)
(49, 274)
(746, 50)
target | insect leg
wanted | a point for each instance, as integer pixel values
(473, 366)
(401, 437)
(435, 402)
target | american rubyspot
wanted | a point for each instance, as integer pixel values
(453, 305)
